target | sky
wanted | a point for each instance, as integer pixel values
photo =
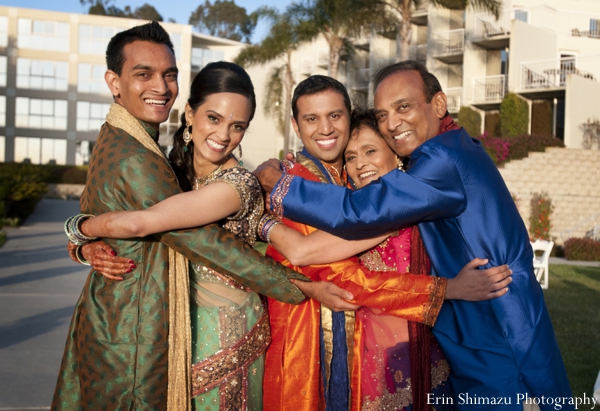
(181, 13)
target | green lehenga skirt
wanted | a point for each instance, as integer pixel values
(230, 333)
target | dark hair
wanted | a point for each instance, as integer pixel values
(151, 32)
(431, 85)
(218, 77)
(317, 84)
(361, 118)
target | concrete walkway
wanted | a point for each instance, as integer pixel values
(39, 286)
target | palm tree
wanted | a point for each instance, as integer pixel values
(285, 36)
(338, 20)
(406, 8)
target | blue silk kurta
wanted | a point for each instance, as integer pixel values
(503, 347)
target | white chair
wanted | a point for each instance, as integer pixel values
(540, 262)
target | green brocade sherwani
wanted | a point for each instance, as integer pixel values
(116, 353)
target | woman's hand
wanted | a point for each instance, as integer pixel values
(472, 284)
(103, 259)
(328, 294)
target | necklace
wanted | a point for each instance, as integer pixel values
(203, 180)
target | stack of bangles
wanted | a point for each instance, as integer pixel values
(73, 231)
(266, 224)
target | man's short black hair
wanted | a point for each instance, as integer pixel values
(431, 85)
(317, 84)
(152, 32)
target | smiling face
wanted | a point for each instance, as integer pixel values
(323, 125)
(218, 126)
(147, 86)
(406, 120)
(368, 157)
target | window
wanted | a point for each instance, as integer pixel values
(91, 79)
(595, 26)
(3, 31)
(94, 39)
(38, 113)
(43, 35)
(42, 74)
(2, 111)
(90, 116)
(201, 57)
(522, 15)
(36, 150)
(2, 71)
(2, 148)
(83, 152)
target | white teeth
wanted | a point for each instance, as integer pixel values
(215, 145)
(159, 102)
(402, 135)
(367, 174)
(326, 142)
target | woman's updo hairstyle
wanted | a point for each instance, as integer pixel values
(217, 77)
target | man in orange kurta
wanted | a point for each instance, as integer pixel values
(305, 341)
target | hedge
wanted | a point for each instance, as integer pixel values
(470, 120)
(514, 115)
(582, 249)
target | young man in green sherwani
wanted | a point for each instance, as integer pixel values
(117, 351)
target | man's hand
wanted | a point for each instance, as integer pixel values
(472, 284)
(268, 174)
(328, 294)
(103, 259)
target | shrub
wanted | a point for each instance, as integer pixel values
(582, 249)
(21, 187)
(497, 148)
(2, 238)
(521, 146)
(514, 115)
(470, 120)
(539, 219)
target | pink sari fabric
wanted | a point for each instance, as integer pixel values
(386, 377)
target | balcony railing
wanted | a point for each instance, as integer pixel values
(553, 73)
(489, 88)
(450, 42)
(453, 98)
(486, 24)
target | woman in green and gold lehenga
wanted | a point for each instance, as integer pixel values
(229, 324)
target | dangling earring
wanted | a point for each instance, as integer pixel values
(240, 156)
(187, 137)
(400, 164)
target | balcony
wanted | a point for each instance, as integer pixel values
(449, 46)
(489, 91)
(491, 33)
(419, 15)
(306, 67)
(548, 78)
(454, 98)
(419, 53)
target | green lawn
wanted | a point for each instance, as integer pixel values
(573, 300)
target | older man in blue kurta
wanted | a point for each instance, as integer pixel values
(500, 350)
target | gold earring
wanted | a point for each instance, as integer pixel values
(187, 137)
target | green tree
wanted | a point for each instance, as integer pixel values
(406, 8)
(105, 8)
(514, 116)
(224, 19)
(340, 20)
(284, 37)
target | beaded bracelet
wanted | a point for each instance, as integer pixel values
(79, 255)
(73, 229)
(266, 225)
